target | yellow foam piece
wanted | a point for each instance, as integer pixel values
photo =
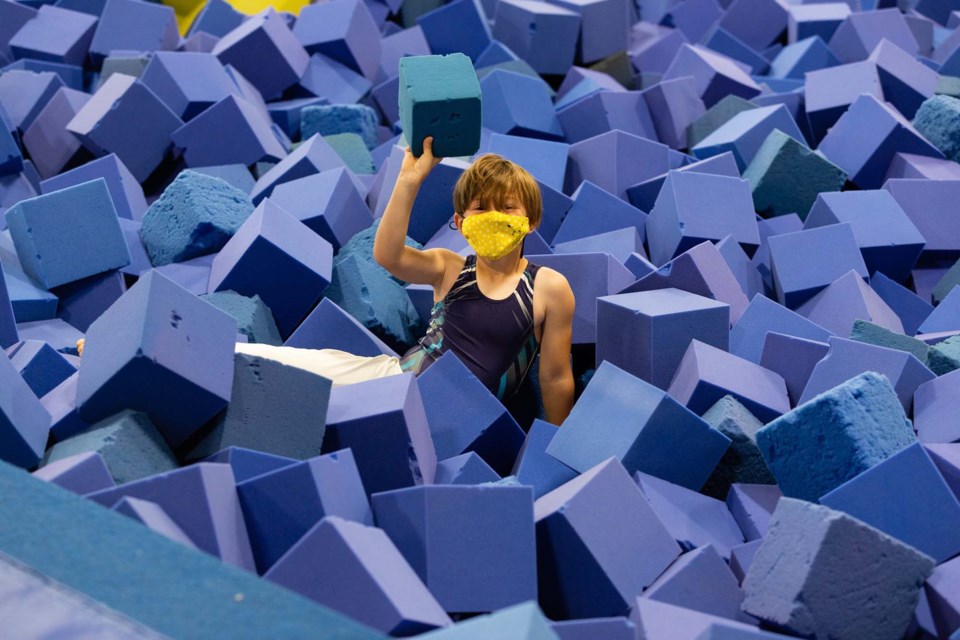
(251, 7)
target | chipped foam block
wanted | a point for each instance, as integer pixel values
(810, 551)
(861, 420)
(281, 506)
(157, 342)
(473, 546)
(440, 97)
(248, 463)
(254, 319)
(647, 333)
(537, 468)
(597, 521)
(844, 301)
(345, 31)
(742, 462)
(935, 408)
(906, 497)
(330, 327)
(591, 434)
(467, 468)
(40, 366)
(152, 516)
(751, 506)
(125, 191)
(706, 374)
(864, 331)
(332, 119)
(81, 473)
(744, 133)
(794, 358)
(68, 235)
(196, 215)
(356, 570)
(937, 120)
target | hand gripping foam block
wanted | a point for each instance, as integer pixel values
(587, 529)
(281, 506)
(616, 160)
(440, 97)
(745, 132)
(330, 327)
(647, 333)
(465, 416)
(694, 520)
(310, 157)
(40, 366)
(846, 300)
(254, 319)
(608, 421)
(196, 215)
(936, 405)
(793, 358)
(358, 571)
(906, 497)
(248, 463)
(716, 75)
(125, 191)
(133, 25)
(861, 421)
(67, 235)
(152, 516)
(537, 468)
(473, 546)
(24, 423)
(188, 83)
(274, 408)
(743, 462)
(467, 468)
(385, 424)
(344, 31)
(752, 505)
(81, 473)
(816, 565)
(517, 104)
(126, 118)
(693, 207)
(550, 45)
(277, 257)
(158, 342)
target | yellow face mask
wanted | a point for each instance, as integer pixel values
(494, 234)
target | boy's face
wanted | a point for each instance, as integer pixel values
(511, 205)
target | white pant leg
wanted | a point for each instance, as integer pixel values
(338, 366)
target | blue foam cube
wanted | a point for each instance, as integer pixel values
(134, 25)
(345, 31)
(24, 423)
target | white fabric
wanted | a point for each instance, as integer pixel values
(338, 366)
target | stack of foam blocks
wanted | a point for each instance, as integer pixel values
(755, 203)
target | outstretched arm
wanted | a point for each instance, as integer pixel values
(556, 373)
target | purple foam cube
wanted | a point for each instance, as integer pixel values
(125, 191)
(248, 463)
(516, 104)
(188, 83)
(847, 299)
(550, 46)
(906, 82)
(152, 516)
(747, 275)
(312, 156)
(935, 409)
(344, 31)
(51, 146)
(467, 468)
(40, 366)
(616, 160)
(746, 132)
(328, 79)
(741, 557)
(619, 243)
(81, 473)
(55, 34)
(818, 19)
(799, 58)
(662, 621)
(945, 316)
(860, 33)
(15, 15)
(460, 26)
(752, 505)
(700, 580)
(716, 76)
(792, 357)
(607, 628)
(910, 166)
(23, 94)
(544, 159)
(927, 203)
(674, 105)
(535, 467)
(132, 25)
(941, 589)
(909, 307)
(829, 92)
(603, 27)
(330, 327)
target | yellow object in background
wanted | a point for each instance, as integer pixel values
(187, 10)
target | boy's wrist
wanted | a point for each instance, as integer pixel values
(410, 181)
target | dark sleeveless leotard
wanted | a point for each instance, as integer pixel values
(493, 338)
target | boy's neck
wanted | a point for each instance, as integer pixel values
(508, 265)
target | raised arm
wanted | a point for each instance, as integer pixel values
(389, 247)
(556, 373)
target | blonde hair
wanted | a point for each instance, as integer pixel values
(493, 179)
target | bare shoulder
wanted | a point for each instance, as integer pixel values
(452, 264)
(552, 283)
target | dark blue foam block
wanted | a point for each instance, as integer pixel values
(586, 531)
(751, 506)
(906, 497)
(40, 366)
(83, 301)
(861, 420)
(743, 461)
(330, 327)
(909, 307)
(362, 575)
(595, 211)
(599, 427)
(385, 424)
(792, 357)
(346, 32)
(467, 468)
(249, 463)
(473, 546)
(184, 583)
(460, 26)
(125, 191)
(24, 423)
(607, 628)
(280, 506)
(157, 342)
(81, 473)
(535, 467)
(808, 555)
(762, 316)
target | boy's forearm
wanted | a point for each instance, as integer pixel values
(392, 233)
(557, 398)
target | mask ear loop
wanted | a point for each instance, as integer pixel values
(452, 225)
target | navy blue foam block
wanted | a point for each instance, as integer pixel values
(50, 145)
(83, 301)
(328, 120)
(212, 586)
(357, 570)
(266, 52)
(615, 161)
(934, 409)
(133, 25)
(867, 136)
(24, 95)
(61, 404)
(249, 463)
(157, 342)
(545, 160)
(535, 467)
(751, 506)
(274, 408)
(608, 628)
(40, 365)
(8, 322)
(345, 32)
(945, 317)
(467, 468)
(694, 520)
(550, 47)
(152, 516)
(674, 105)
(861, 420)
(763, 316)
(716, 75)
(906, 497)
(809, 551)
(125, 191)
(126, 118)
(384, 422)
(693, 207)
(330, 327)
(792, 357)
(941, 591)
(744, 133)
(196, 215)
(847, 299)
(188, 83)
(870, 333)
(848, 358)
(743, 462)
(254, 319)
(280, 506)
(465, 416)
(647, 333)
(328, 202)
(747, 275)
(312, 156)
(796, 278)
(593, 432)
(473, 546)
(277, 257)
(604, 111)
(700, 580)
(54, 247)
(944, 357)
(81, 473)
(460, 26)
(517, 104)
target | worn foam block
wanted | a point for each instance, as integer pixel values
(473, 546)
(752, 505)
(864, 331)
(590, 434)
(867, 136)
(254, 319)
(550, 45)
(792, 357)
(945, 316)
(40, 366)
(80, 473)
(126, 118)
(844, 301)
(266, 52)
(785, 176)
(647, 333)
(235, 174)
(861, 419)
(152, 516)
(742, 462)
(795, 278)
(801, 57)
(328, 202)
(615, 161)
(747, 275)
(188, 83)
(312, 156)
(519, 622)
(889, 241)
(590, 513)
(943, 357)
(52, 148)
(133, 25)
(927, 203)
(196, 215)
(809, 550)
(328, 120)
(535, 467)
(517, 104)
(608, 628)
(156, 342)
(942, 594)
(935, 119)
(604, 111)
(693, 207)
(716, 76)
(460, 26)
(345, 31)
(467, 468)
(935, 410)
(700, 580)
(281, 506)
(23, 95)
(125, 191)
(906, 497)
(745, 132)
(286, 113)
